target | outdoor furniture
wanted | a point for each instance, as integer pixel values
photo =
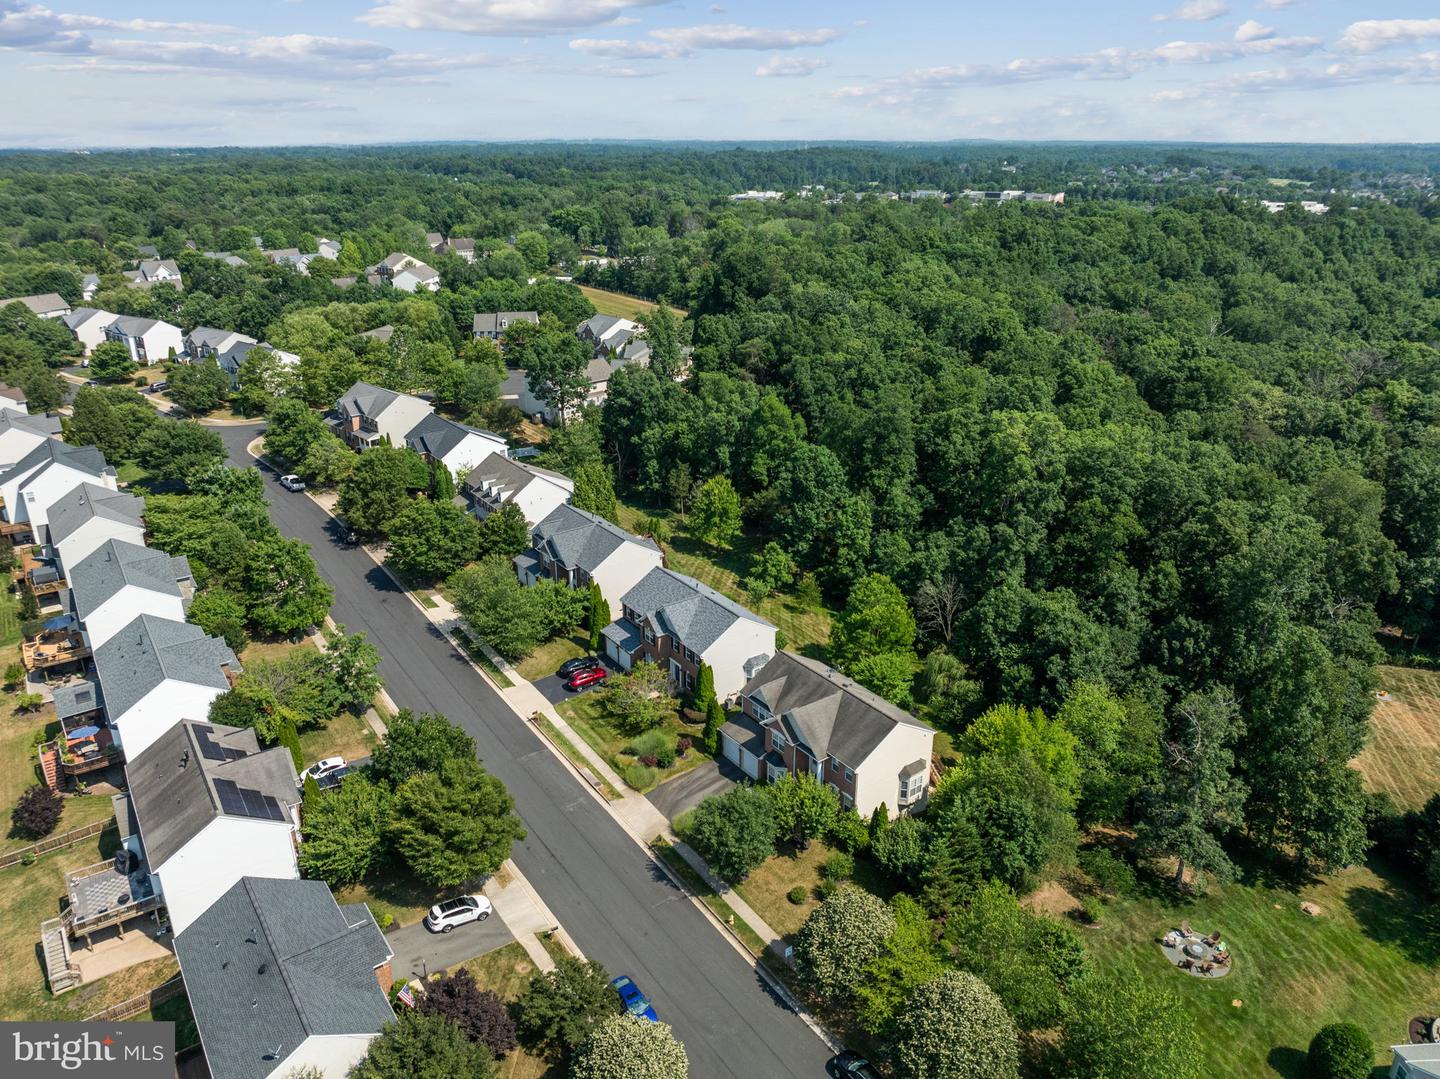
(1187, 964)
(1185, 928)
(1213, 939)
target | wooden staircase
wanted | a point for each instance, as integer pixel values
(55, 942)
(49, 754)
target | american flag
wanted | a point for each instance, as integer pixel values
(406, 996)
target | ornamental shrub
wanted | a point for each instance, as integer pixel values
(1341, 1051)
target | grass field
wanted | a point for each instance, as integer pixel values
(1371, 958)
(347, 735)
(505, 972)
(766, 889)
(806, 629)
(1403, 757)
(621, 305)
(546, 659)
(585, 715)
(9, 627)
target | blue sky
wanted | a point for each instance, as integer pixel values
(132, 73)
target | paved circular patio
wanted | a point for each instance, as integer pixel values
(1196, 955)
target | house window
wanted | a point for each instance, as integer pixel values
(690, 655)
(849, 776)
(777, 741)
(761, 711)
(649, 635)
(846, 802)
(834, 765)
(833, 787)
(689, 681)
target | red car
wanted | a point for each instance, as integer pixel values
(591, 676)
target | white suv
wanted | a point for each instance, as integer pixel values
(445, 916)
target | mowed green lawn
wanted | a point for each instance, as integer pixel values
(1372, 957)
(621, 305)
(806, 628)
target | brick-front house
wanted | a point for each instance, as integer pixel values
(577, 547)
(679, 623)
(366, 414)
(798, 715)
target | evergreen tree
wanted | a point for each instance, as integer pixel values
(29, 605)
(442, 483)
(704, 688)
(955, 867)
(595, 492)
(599, 617)
(290, 739)
(714, 720)
(879, 821)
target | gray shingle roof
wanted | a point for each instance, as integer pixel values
(599, 325)
(436, 436)
(497, 321)
(366, 399)
(274, 962)
(823, 709)
(380, 333)
(41, 304)
(115, 564)
(49, 426)
(213, 337)
(581, 540)
(77, 698)
(52, 450)
(503, 474)
(87, 502)
(692, 613)
(148, 651)
(78, 316)
(746, 733)
(150, 267)
(172, 783)
(395, 258)
(133, 325)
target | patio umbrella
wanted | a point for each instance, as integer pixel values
(63, 621)
(83, 732)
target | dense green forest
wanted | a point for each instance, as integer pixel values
(1156, 439)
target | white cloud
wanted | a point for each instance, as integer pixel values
(789, 67)
(1274, 5)
(620, 49)
(1196, 11)
(1253, 30)
(1371, 34)
(731, 36)
(501, 18)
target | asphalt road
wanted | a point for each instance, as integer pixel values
(616, 904)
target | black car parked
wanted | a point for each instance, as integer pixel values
(850, 1065)
(583, 663)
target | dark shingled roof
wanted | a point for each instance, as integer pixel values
(366, 399)
(173, 783)
(85, 458)
(148, 651)
(496, 321)
(435, 436)
(88, 501)
(46, 425)
(579, 539)
(115, 564)
(825, 710)
(274, 962)
(504, 477)
(682, 607)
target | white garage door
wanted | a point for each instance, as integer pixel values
(730, 748)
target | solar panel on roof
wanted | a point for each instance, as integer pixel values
(230, 799)
(212, 750)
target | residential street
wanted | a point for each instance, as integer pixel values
(619, 908)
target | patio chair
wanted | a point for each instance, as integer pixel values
(1185, 928)
(1213, 939)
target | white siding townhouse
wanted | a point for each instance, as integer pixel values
(203, 342)
(457, 446)
(45, 475)
(492, 324)
(212, 807)
(798, 715)
(282, 979)
(43, 304)
(85, 518)
(89, 285)
(89, 324)
(679, 623)
(498, 481)
(575, 547)
(119, 580)
(154, 271)
(233, 356)
(155, 672)
(366, 414)
(416, 277)
(20, 433)
(149, 340)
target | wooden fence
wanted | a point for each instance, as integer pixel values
(142, 1003)
(55, 842)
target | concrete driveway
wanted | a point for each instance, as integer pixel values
(419, 952)
(688, 791)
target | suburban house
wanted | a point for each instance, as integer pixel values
(608, 333)
(463, 247)
(327, 249)
(282, 979)
(380, 333)
(416, 276)
(680, 623)
(577, 547)
(798, 715)
(212, 807)
(13, 398)
(635, 352)
(149, 340)
(89, 285)
(205, 341)
(119, 580)
(226, 257)
(291, 256)
(89, 324)
(393, 263)
(20, 433)
(44, 304)
(1417, 1061)
(86, 517)
(498, 481)
(366, 414)
(156, 671)
(515, 390)
(45, 475)
(234, 355)
(152, 272)
(457, 446)
(491, 324)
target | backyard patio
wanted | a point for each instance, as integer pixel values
(1196, 955)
